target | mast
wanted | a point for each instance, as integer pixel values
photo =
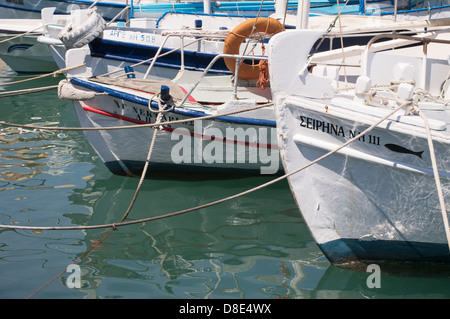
(302, 14)
(206, 6)
(280, 8)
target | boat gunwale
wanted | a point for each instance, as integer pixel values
(154, 104)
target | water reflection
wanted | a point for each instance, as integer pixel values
(240, 249)
(254, 247)
(396, 281)
(38, 171)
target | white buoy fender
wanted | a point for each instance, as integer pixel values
(67, 91)
(83, 26)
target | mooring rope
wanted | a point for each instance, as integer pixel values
(27, 91)
(125, 215)
(17, 76)
(54, 74)
(147, 161)
(217, 201)
(31, 32)
(436, 178)
(206, 117)
(123, 223)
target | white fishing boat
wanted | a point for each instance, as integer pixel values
(197, 36)
(192, 39)
(19, 48)
(369, 163)
(228, 143)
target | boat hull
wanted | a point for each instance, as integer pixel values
(28, 9)
(226, 145)
(373, 201)
(27, 55)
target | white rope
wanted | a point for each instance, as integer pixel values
(220, 200)
(206, 117)
(24, 34)
(342, 41)
(330, 27)
(54, 74)
(436, 178)
(444, 85)
(438, 99)
(391, 86)
(147, 161)
(113, 226)
(27, 91)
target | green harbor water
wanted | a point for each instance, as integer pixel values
(253, 247)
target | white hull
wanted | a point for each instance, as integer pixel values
(242, 144)
(376, 199)
(367, 197)
(24, 53)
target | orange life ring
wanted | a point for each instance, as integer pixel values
(236, 37)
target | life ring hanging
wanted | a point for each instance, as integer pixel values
(236, 37)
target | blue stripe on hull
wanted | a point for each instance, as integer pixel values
(181, 111)
(135, 53)
(346, 250)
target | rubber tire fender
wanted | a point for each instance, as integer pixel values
(76, 35)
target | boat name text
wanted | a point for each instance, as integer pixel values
(197, 142)
(335, 129)
(133, 36)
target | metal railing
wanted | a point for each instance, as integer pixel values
(199, 36)
(425, 41)
(238, 59)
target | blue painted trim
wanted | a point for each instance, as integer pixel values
(201, 14)
(182, 111)
(354, 250)
(417, 10)
(134, 53)
(158, 64)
